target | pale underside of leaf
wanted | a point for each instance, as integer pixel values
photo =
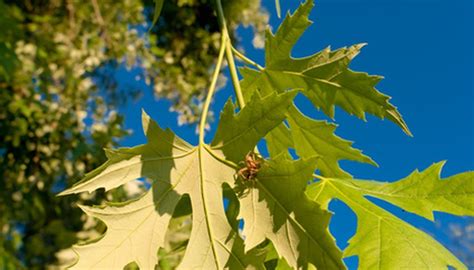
(196, 172)
(176, 169)
(141, 225)
(136, 229)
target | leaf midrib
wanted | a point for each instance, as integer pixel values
(204, 205)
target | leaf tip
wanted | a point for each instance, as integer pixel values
(371, 161)
(145, 121)
(64, 193)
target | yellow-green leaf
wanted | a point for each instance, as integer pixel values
(325, 77)
(236, 133)
(316, 138)
(383, 241)
(277, 208)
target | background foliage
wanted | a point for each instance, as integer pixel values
(58, 101)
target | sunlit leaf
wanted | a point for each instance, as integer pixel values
(382, 240)
(276, 208)
(136, 229)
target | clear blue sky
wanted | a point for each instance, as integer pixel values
(425, 50)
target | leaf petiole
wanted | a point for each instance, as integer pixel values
(246, 59)
(212, 88)
(230, 56)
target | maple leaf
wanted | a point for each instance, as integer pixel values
(316, 138)
(326, 80)
(235, 134)
(424, 192)
(323, 77)
(384, 241)
(137, 229)
(276, 208)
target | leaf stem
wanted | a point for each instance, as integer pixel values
(212, 88)
(230, 56)
(233, 74)
(319, 177)
(246, 59)
(230, 59)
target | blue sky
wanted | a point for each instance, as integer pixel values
(425, 50)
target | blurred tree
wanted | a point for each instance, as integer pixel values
(186, 40)
(58, 101)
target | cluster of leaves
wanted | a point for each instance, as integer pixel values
(285, 219)
(58, 107)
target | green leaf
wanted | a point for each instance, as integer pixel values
(273, 260)
(136, 229)
(126, 164)
(8, 261)
(325, 77)
(316, 138)
(424, 192)
(383, 241)
(237, 133)
(276, 208)
(279, 140)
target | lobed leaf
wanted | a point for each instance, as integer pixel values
(424, 192)
(384, 241)
(324, 77)
(136, 229)
(126, 164)
(277, 208)
(236, 133)
(316, 138)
